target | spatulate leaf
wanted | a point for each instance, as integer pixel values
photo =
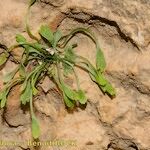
(57, 37)
(100, 60)
(3, 58)
(81, 97)
(35, 127)
(46, 33)
(25, 95)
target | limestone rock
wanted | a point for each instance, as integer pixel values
(123, 31)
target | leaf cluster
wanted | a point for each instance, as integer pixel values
(54, 57)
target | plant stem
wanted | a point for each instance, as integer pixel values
(75, 31)
(27, 25)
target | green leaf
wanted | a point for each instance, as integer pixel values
(100, 60)
(3, 58)
(3, 98)
(57, 37)
(69, 103)
(3, 101)
(46, 33)
(22, 72)
(109, 89)
(32, 2)
(30, 47)
(33, 50)
(23, 87)
(70, 54)
(10, 75)
(1, 95)
(35, 127)
(26, 94)
(67, 68)
(71, 94)
(101, 80)
(34, 90)
(35, 124)
(81, 97)
(20, 38)
(38, 46)
(33, 82)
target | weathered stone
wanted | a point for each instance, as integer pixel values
(122, 29)
(14, 115)
(47, 84)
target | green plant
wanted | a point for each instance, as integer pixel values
(52, 57)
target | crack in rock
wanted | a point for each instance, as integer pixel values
(122, 144)
(54, 3)
(84, 17)
(131, 81)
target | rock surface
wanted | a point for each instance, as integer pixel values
(123, 31)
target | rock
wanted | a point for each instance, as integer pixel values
(51, 105)
(47, 84)
(122, 29)
(77, 127)
(56, 3)
(14, 115)
(126, 16)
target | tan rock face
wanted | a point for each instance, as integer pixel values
(130, 17)
(123, 29)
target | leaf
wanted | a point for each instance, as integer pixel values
(71, 94)
(100, 79)
(109, 89)
(70, 54)
(22, 72)
(35, 127)
(67, 68)
(25, 95)
(10, 75)
(81, 97)
(1, 95)
(3, 58)
(100, 60)
(38, 46)
(20, 38)
(57, 37)
(69, 103)
(35, 124)
(23, 87)
(33, 82)
(3, 98)
(46, 33)
(31, 48)
(3, 101)
(32, 2)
